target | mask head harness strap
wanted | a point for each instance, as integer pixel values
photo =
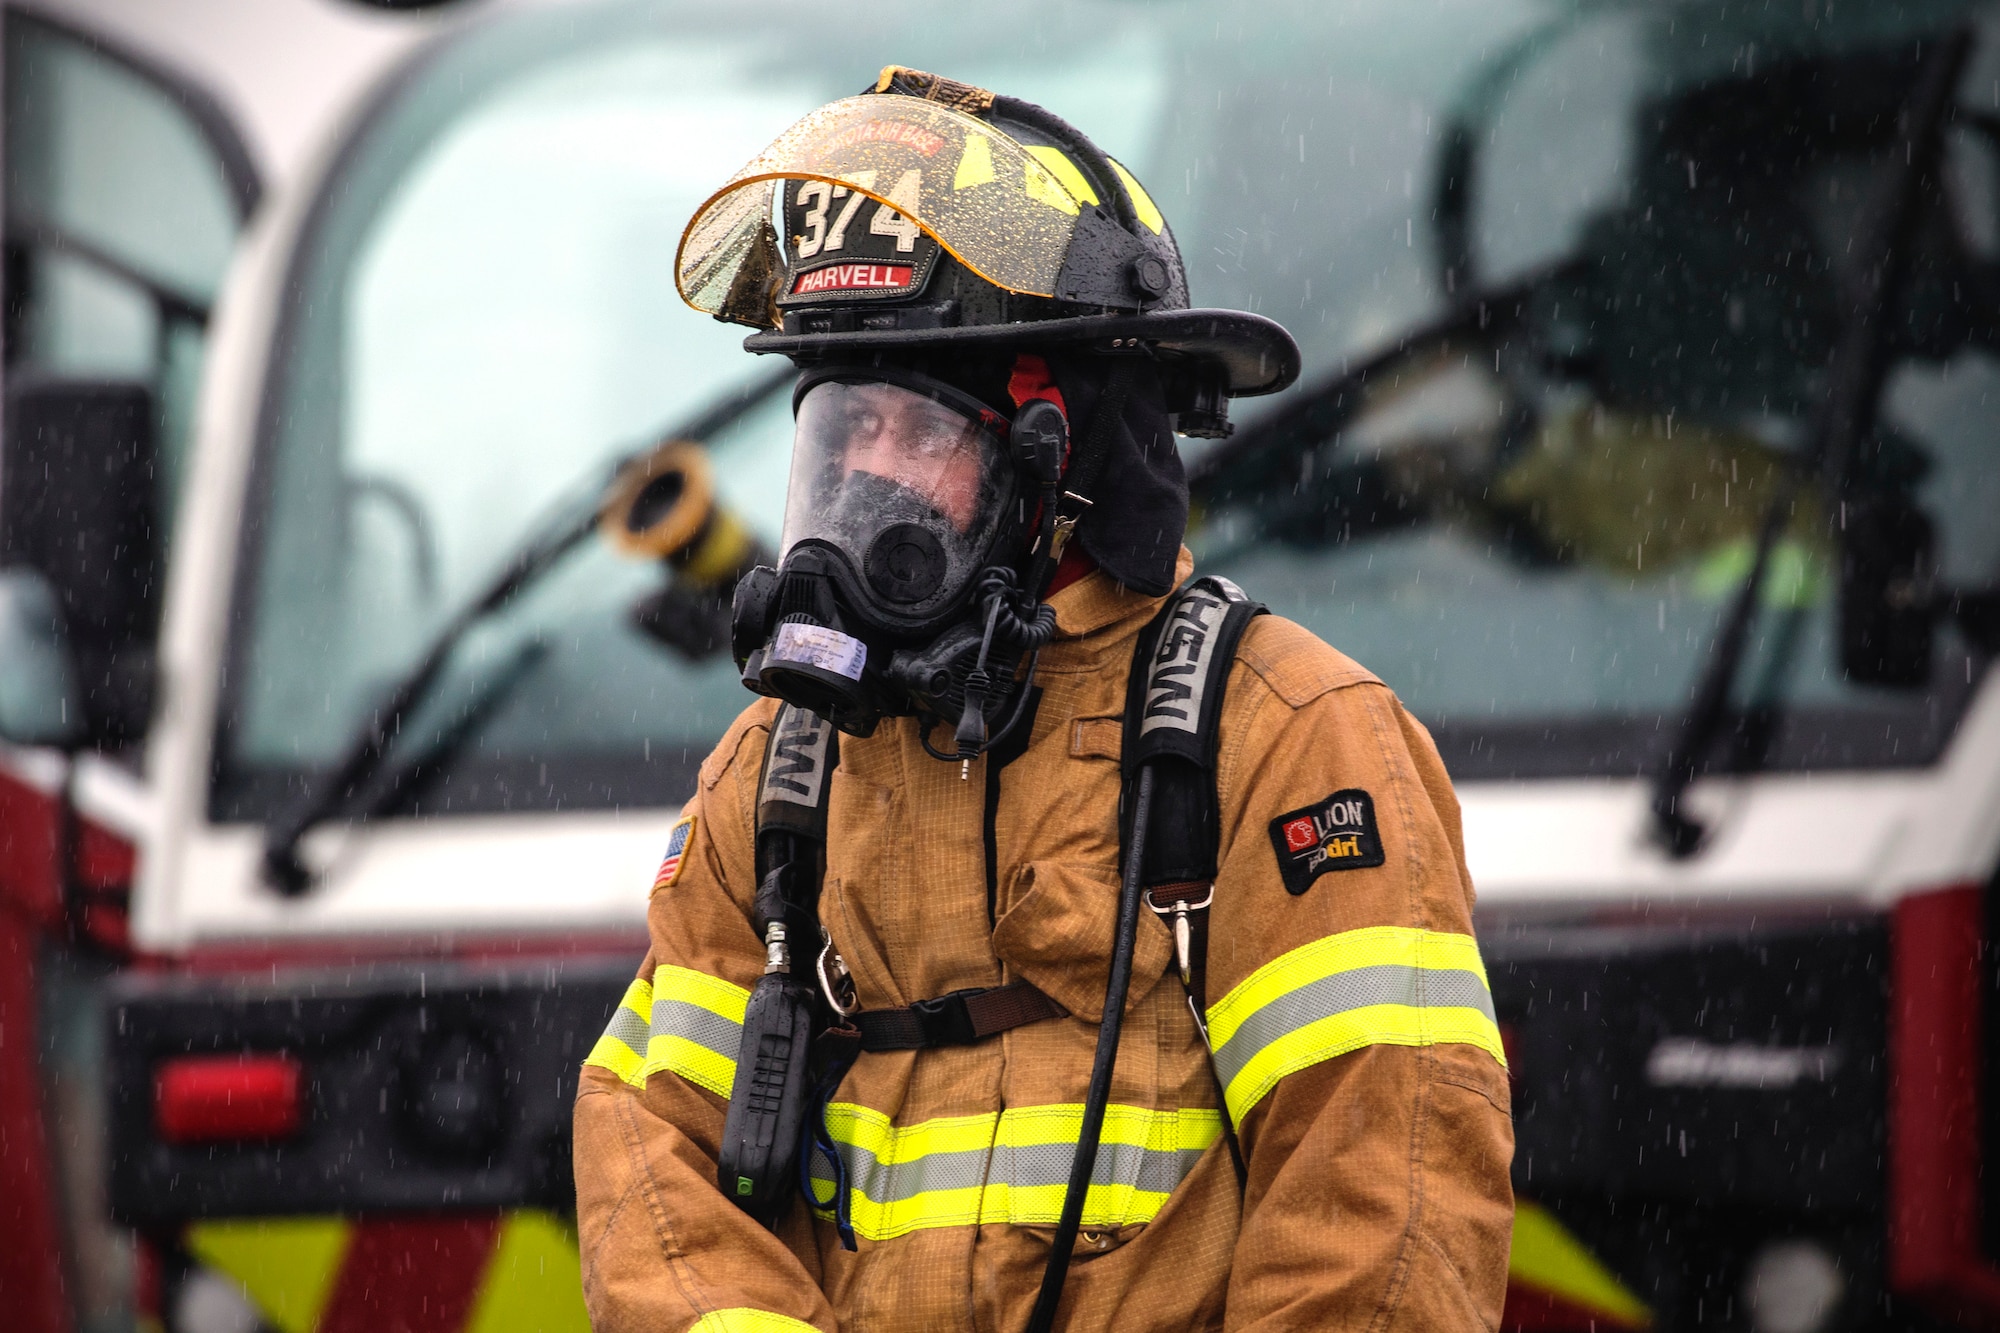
(1040, 442)
(1173, 711)
(1014, 613)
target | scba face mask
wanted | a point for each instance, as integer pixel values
(906, 513)
(905, 483)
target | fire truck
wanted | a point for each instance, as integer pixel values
(362, 623)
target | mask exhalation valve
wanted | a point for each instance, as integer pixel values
(906, 563)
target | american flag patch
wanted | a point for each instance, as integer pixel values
(677, 841)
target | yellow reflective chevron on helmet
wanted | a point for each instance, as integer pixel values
(1004, 210)
(1142, 203)
(975, 164)
(1075, 187)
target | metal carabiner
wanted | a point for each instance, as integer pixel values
(1177, 913)
(1183, 933)
(841, 983)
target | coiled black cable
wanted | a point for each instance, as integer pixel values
(1013, 618)
(1017, 621)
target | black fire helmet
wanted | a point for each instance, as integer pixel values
(930, 217)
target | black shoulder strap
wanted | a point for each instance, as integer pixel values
(1173, 709)
(798, 760)
(1182, 663)
(756, 1160)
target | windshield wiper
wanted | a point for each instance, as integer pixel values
(568, 524)
(1845, 413)
(1317, 412)
(395, 789)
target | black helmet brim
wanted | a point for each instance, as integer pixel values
(1256, 354)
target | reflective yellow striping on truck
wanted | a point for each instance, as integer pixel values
(1547, 1259)
(288, 1268)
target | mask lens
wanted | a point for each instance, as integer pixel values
(890, 433)
(907, 485)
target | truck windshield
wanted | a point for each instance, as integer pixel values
(1525, 520)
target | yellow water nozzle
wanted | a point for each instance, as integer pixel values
(661, 504)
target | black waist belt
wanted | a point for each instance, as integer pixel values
(957, 1019)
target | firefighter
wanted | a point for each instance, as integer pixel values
(1303, 1115)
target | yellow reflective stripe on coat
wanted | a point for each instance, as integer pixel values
(1010, 1167)
(683, 1021)
(1381, 986)
(745, 1320)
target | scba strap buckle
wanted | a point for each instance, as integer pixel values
(959, 1018)
(1180, 670)
(946, 1020)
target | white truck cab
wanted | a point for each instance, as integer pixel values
(1577, 290)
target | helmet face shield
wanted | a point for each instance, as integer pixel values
(886, 166)
(906, 481)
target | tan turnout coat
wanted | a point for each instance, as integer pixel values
(1351, 1024)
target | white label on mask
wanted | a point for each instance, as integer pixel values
(817, 646)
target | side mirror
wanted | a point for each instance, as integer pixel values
(1977, 612)
(80, 499)
(1888, 608)
(39, 702)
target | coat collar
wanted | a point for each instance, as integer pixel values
(1096, 611)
